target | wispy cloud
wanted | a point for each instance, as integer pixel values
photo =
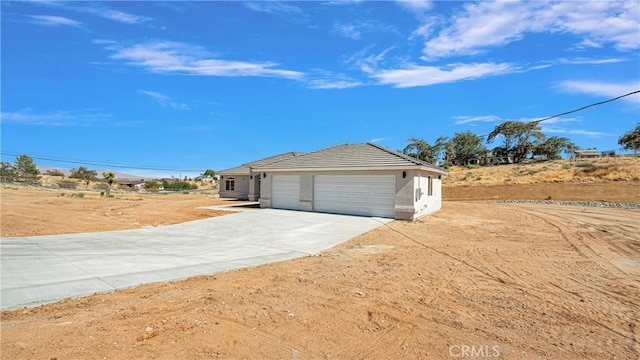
(376, 140)
(603, 89)
(277, 8)
(488, 24)
(97, 10)
(111, 14)
(415, 75)
(351, 30)
(56, 118)
(333, 82)
(50, 20)
(416, 5)
(171, 57)
(464, 119)
(164, 100)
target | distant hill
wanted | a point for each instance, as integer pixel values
(119, 175)
(619, 168)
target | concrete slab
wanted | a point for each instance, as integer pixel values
(42, 269)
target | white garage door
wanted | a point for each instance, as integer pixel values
(285, 192)
(355, 194)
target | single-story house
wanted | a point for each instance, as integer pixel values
(242, 183)
(358, 179)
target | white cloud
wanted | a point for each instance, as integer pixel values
(416, 5)
(98, 10)
(414, 75)
(325, 84)
(603, 89)
(487, 24)
(114, 15)
(49, 20)
(464, 119)
(274, 7)
(164, 100)
(587, 61)
(174, 57)
(55, 118)
(350, 31)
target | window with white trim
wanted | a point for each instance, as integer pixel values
(230, 184)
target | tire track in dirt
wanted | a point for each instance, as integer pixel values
(611, 273)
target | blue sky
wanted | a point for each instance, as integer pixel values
(196, 85)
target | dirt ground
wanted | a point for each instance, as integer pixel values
(477, 279)
(617, 191)
(28, 212)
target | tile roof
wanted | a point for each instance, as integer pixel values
(245, 168)
(350, 156)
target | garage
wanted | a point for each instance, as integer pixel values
(285, 192)
(366, 195)
(353, 179)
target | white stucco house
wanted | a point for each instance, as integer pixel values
(242, 183)
(358, 179)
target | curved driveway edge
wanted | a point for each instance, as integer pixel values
(43, 269)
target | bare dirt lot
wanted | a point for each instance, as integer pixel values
(28, 212)
(475, 280)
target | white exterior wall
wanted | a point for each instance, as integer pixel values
(425, 204)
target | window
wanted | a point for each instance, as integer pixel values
(230, 185)
(429, 186)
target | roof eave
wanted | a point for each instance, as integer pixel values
(355, 168)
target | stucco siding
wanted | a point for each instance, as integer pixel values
(241, 187)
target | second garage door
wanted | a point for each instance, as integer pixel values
(355, 194)
(285, 192)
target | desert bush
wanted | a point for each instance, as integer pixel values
(67, 184)
(584, 165)
(54, 172)
(567, 166)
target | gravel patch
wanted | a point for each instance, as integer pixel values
(602, 204)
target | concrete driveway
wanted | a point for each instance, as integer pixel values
(42, 269)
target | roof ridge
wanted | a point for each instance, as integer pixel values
(402, 156)
(323, 149)
(293, 154)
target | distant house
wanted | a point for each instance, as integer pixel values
(357, 179)
(243, 183)
(132, 184)
(587, 154)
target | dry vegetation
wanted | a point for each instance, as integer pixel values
(593, 170)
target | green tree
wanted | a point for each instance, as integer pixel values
(25, 168)
(464, 147)
(7, 171)
(84, 174)
(110, 178)
(550, 148)
(631, 140)
(519, 138)
(152, 185)
(209, 173)
(422, 150)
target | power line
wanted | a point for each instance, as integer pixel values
(96, 163)
(578, 109)
(586, 107)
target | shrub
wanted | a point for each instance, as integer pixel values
(585, 165)
(567, 166)
(67, 184)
